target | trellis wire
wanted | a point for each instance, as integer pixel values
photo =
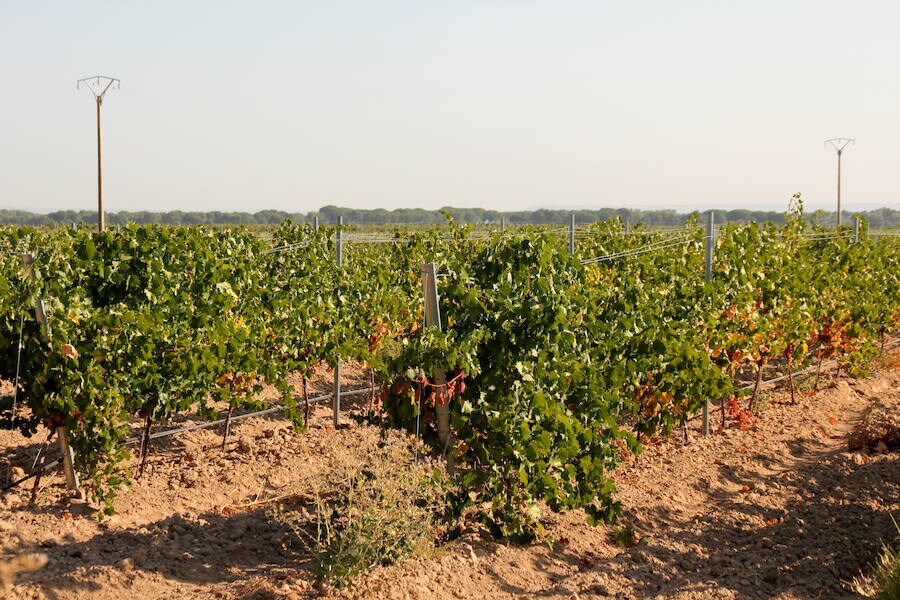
(808, 369)
(170, 432)
(826, 236)
(632, 254)
(287, 247)
(774, 380)
(612, 234)
(669, 234)
(588, 232)
(659, 245)
(18, 363)
(350, 240)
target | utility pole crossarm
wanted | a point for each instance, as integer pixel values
(98, 84)
(839, 143)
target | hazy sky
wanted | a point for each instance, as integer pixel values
(499, 104)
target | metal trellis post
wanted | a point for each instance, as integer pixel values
(710, 247)
(339, 259)
(572, 235)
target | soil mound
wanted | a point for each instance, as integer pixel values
(879, 429)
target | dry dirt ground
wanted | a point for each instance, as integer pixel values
(781, 509)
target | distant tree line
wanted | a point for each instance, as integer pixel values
(879, 219)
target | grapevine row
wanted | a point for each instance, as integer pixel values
(559, 365)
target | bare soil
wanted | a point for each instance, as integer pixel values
(780, 509)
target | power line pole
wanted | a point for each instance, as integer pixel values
(98, 86)
(839, 144)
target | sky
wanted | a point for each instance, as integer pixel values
(500, 104)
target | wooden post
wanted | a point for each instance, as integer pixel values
(316, 224)
(339, 260)
(101, 215)
(68, 458)
(433, 319)
(40, 315)
(840, 150)
(40, 309)
(856, 230)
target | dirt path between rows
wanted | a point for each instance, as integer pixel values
(780, 510)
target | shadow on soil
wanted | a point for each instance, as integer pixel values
(825, 536)
(211, 549)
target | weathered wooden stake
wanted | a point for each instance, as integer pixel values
(40, 314)
(433, 319)
(68, 458)
(227, 423)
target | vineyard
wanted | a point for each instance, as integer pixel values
(556, 355)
